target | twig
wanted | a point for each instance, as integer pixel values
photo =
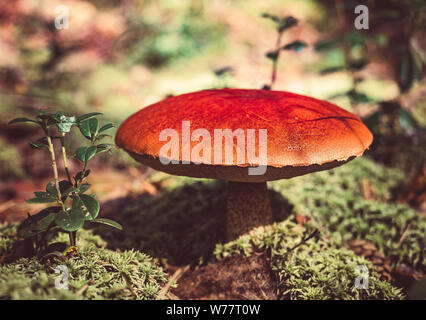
(83, 289)
(260, 288)
(128, 283)
(175, 277)
(403, 236)
(303, 241)
(173, 296)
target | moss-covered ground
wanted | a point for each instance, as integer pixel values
(184, 224)
(93, 273)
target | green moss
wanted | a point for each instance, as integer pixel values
(181, 223)
(190, 213)
(342, 182)
(185, 222)
(335, 199)
(6, 238)
(101, 271)
(318, 269)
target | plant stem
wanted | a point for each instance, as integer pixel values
(64, 157)
(55, 169)
(72, 236)
(56, 176)
(275, 62)
(77, 183)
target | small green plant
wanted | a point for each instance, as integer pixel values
(72, 205)
(282, 24)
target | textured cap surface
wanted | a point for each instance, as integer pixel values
(303, 134)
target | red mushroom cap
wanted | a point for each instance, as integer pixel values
(303, 134)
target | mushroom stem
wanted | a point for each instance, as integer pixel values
(248, 206)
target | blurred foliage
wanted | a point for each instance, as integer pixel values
(120, 56)
(350, 50)
(281, 24)
(394, 42)
(184, 37)
(10, 164)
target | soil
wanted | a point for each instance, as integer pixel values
(235, 278)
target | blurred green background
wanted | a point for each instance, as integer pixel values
(119, 56)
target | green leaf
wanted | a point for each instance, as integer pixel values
(373, 119)
(45, 222)
(51, 188)
(94, 126)
(356, 39)
(406, 119)
(85, 129)
(64, 185)
(71, 220)
(40, 143)
(223, 71)
(81, 154)
(282, 23)
(102, 136)
(64, 127)
(331, 70)
(103, 147)
(84, 154)
(88, 116)
(360, 97)
(89, 205)
(66, 192)
(274, 18)
(42, 197)
(295, 45)
(55, 248)
(90, 128)
(286, 23)
(22, 120)
(84, 187)
(80, 176)
(106, 127)
(90, 152)
(327, 44)
(108, 222)
(37, 223)
(63, 122)
(273, 55)
(408, 71)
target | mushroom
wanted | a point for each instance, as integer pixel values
(303, 135)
